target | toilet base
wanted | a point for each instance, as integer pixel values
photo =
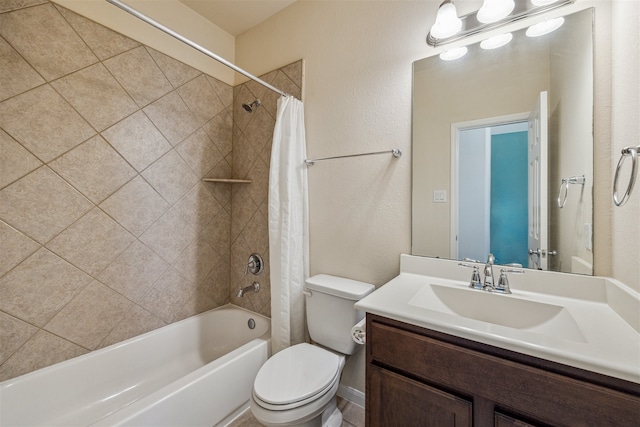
(330, 417)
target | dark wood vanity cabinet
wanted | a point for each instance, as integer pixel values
(419, 377)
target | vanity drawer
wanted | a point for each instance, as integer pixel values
(513, 387)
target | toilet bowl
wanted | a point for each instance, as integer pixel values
(297, 386)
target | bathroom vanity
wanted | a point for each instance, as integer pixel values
(561, 350)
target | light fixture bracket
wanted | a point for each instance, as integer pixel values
(471, 26)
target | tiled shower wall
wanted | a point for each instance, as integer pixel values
(106, 227)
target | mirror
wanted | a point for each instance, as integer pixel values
(477, 186)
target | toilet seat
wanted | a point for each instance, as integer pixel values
(296, 376)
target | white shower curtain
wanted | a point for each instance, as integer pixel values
(288, 225)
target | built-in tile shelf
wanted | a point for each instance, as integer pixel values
(228, 180)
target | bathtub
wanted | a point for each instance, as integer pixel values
(196, 372)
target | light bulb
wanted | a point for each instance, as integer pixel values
(495, 10)
(496, 41)
(453, 54)
(544, 27)
(447, 21)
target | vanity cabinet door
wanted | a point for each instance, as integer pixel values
(401, 401)
(501, 420)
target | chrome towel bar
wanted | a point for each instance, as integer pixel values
(395, 151)
(626, 152)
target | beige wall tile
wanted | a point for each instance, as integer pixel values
(177, 72)
(218, 234)
(198, 207)
(16, 75)
(136, 322)
(172, 116)
(212, 293)
(224, 91)
(13, 333)
(94, 168)
(38, 288)
(96, 95)
(195, 235)
(92, 242)
(222, 192)
(201, 99)
(243, 208)
(200, 153)
(134, 271)
(169, 236)
(46, 41)
(43, 122)
(15, 247)
(196, 261)
(136, 206)
(15, 160)
(167, 296)
(219, 130)
(42, 350)
(104, 42)
(41, 204)
(139, 75)
(90, 316)
(8, 5)
(171, 176)
(137, 140)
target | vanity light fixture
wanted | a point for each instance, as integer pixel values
(495, 10)
(545, 27)
(453, 54)
(447, 21)
(493, 14)
(496, 41)
(542, 2)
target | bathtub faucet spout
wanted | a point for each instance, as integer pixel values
(255, 287)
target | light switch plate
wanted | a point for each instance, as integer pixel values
(439, 196)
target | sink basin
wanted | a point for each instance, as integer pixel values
(504, 310)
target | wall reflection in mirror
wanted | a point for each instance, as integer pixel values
(495, 133)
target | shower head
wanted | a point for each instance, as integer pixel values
(249, 107)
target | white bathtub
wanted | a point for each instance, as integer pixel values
(196, 372)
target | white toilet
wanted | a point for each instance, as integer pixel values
(297, 386)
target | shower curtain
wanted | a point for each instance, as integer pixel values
(288, 225)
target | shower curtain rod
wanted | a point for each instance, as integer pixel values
(196, 46)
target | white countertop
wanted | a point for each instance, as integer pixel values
(605, 337)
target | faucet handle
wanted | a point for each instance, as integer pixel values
(476, 281)
(503, 281)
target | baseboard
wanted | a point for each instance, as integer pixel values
(351, 394)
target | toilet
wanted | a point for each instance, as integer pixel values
(297, 386)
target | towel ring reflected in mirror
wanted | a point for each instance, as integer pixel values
(564, 188)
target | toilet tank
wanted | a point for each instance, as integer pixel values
(330, 311)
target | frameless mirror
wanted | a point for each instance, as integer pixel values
(503, 151)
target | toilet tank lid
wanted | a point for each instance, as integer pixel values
(339, 286)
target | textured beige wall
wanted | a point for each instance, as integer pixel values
(626, 132)
(358, 58)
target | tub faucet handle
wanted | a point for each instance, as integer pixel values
(255, 265)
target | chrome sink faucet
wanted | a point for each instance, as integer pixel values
(489, 283)
(488, 273)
